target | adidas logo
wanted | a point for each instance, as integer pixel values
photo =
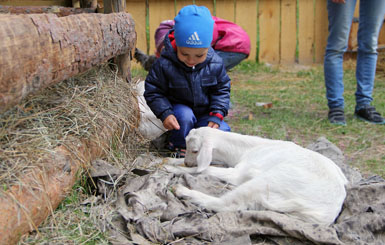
(194, 39)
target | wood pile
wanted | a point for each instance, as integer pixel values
(41, 50)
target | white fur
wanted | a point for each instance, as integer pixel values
(268, 175)
(149, 126)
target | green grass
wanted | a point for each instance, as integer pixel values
(71, 223)
(299, 112)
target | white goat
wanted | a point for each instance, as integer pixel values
(268, 174)
(149, 126)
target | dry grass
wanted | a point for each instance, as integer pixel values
(79, 107)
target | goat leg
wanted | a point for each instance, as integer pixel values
(199, 198)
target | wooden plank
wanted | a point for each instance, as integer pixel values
(159, 10)
(321, 30)
(76, 3)
(207, 3)
(137, 8)
(269, 25)
(225, 9)
(381, 37)
(305, 32)
(181, 3)
(246, 18)
(114, 6)
(65, 3)
(288, 40)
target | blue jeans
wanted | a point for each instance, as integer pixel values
(340, 19)
(231, 59)
(187, 121)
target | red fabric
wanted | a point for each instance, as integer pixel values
(218, 115)
(172, 40)
(231, 37)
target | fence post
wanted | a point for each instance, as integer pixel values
(269, 31)
(288, 39)
(122, 61)
(305, 32)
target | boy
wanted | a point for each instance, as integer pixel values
(188, 87)
(230, 42)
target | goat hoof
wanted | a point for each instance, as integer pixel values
(181, 191)
(173, 161)
(172, 169)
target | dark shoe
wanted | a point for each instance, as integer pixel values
(179, 153)
(337, 116)
(176, 152)
(369, 114)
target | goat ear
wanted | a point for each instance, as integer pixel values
(205, 156)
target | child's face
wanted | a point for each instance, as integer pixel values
(192, 56)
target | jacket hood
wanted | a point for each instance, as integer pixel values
(170, 53)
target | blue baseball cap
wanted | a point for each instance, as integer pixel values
(194, 27)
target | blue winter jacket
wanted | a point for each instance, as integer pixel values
(205, 89)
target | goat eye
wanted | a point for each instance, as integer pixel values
(195, 152)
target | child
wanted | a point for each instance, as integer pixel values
(230, 42)
(188, 87)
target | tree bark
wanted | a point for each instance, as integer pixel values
(59, 11)
(25, 206)
(37, 51)
(123, 61)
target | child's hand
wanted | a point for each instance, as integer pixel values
(213, 125)
(171, 123)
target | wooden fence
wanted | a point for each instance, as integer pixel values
(281, 31)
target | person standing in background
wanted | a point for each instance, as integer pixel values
(371, 18)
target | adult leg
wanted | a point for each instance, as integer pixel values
(371, 18)
(340, 17)
(231, 59)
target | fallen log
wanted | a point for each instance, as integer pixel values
(37, 176)
(59, 11)
(26, 205)
(40, 50)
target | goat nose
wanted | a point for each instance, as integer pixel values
(188, 163)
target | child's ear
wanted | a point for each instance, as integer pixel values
(205, 156)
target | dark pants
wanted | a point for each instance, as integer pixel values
(187, 121)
